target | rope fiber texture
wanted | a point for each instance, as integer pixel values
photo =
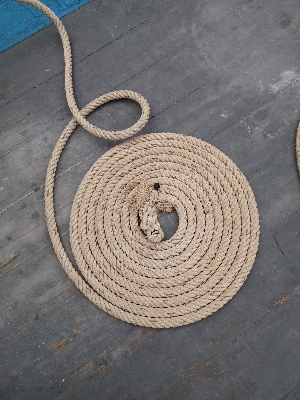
(124, 265)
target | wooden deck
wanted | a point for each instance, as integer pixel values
(226, 71)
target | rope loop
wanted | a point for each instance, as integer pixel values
(119, 94)
(115, 135)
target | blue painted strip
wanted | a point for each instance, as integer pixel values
(19, 20)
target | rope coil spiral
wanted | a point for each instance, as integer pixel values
(125, 267)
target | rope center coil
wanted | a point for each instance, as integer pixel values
(124, 265)
(134, 274)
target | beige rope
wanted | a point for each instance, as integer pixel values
(120, 94)
(125, 267)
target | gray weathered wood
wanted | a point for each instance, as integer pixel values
(223, 71)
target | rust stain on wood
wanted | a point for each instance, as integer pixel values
(59, 343)
(10, 261)
(194, 366)
(209, 362)
(99, 372)
(66, 339)
(89, 364)
(282, 300)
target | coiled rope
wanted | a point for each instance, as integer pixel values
(125, 267)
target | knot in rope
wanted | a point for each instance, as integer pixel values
(148, 201)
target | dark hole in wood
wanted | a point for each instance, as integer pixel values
(168, 223)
